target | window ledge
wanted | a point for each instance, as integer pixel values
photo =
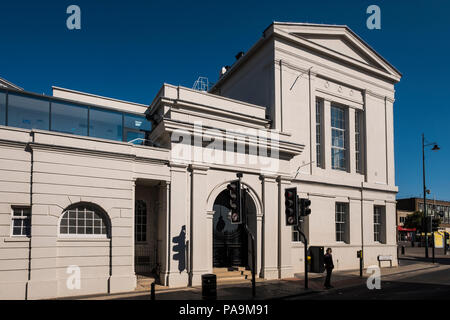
(84, 239)
(17, 239)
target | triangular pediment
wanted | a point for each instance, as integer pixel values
(341, 45)
(340, 42)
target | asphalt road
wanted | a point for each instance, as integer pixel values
(430, 284)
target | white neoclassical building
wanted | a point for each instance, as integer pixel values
(102, 190)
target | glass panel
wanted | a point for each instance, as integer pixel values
(72, 222)
(133, 135)
(26, 212)
(105, 124)
(136, 122)
(69, 119)
(2, 108)
(28, 113)
(338, 138)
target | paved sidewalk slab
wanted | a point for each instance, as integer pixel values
(266, 290)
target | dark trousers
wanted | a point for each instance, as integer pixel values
(328, 278)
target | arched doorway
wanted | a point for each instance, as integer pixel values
(231, 244)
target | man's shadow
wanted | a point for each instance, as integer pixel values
(179, 249)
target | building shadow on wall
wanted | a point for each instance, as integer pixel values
(179, 249)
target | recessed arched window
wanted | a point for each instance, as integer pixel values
(84, 220)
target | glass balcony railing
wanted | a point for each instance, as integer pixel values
(32, 111)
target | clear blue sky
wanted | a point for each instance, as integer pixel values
(127, 49)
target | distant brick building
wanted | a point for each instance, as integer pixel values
(410, 205)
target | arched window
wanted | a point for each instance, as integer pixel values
(84, 220)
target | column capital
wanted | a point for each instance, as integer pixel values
(268, 178)
(176, 166)
(199, 169)
(284, 179)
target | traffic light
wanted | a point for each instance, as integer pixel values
(304, 207)
(234, 193)
(435, 224)
(291, 202)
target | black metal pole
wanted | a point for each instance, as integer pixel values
(152, 291)
(424, 198)
(253, 260)
(432, 237)
(305, 242)
(244, 193)
(253, 266)
(445, 244)
(361, 265)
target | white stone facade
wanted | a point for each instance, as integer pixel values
(270, 92)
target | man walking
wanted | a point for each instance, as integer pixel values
(329, 266)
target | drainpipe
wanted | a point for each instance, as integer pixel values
(281, 97)
(362, 223)
(29, 149)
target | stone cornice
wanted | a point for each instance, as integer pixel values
(377, 95)
(198, 168)
(283, 147)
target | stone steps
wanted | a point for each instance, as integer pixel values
(238, 274)
(224, 275)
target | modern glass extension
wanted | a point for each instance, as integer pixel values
(31, 111)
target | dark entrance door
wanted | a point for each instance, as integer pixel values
(230, 241)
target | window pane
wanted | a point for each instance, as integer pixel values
(318, 133)
(17, 231)
(136, 122)
(135, 137)
(338, 138)
(69, 119)
(2, 108)
(28, 113)
(105, 124)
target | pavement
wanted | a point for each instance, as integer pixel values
(293, 288)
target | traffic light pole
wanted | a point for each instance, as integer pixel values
(424, 197)
(305, 242)
(432, 241)
(253, 260)
(244, 208)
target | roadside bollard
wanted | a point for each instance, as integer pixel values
(152, 291)
(403, 250)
